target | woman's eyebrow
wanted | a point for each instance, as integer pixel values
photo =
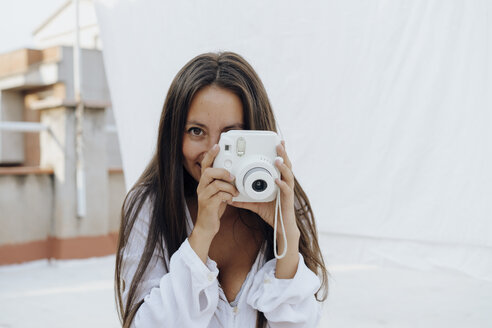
(196, 123)
(237, 126)
(232, 126)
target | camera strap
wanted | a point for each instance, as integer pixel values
(278, 208)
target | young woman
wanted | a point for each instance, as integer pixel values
(190, 257)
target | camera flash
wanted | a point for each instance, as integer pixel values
(240, 146)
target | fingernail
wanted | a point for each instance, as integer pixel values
(231, 177)
(215, 147)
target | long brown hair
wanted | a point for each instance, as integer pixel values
(165, 182)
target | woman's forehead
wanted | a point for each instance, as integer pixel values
(213, 105)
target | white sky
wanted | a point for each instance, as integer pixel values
(19, 18)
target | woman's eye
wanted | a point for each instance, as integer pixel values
(195, 131)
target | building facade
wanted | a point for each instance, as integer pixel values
(38, 188)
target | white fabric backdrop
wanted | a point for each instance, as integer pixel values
(384, 105)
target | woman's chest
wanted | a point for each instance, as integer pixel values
(235, 253)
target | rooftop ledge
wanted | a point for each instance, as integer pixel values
(19, 61)
(25, 170)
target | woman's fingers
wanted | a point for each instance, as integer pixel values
(222, 197)
(284, 187)
(285, 172)
(214, 182)
(285, 168)
(209, 157)
(218, 186)
(282, 153)
(213, 173)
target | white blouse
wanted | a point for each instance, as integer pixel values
(189, 294)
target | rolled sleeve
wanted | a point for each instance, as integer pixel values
(200, 277)
(286, 302)
(186, 296)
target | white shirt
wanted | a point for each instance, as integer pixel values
(189, 295)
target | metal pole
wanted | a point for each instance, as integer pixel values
(23, 126)
(79, 120)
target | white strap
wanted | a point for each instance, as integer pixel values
(278, 207)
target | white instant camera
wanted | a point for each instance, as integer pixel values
(250, 155)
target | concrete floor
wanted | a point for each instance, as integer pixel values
(79, 293)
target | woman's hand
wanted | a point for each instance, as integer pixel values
(286, 267)
(215, 190)
(286, 184)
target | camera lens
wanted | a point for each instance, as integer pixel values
(259, 185)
